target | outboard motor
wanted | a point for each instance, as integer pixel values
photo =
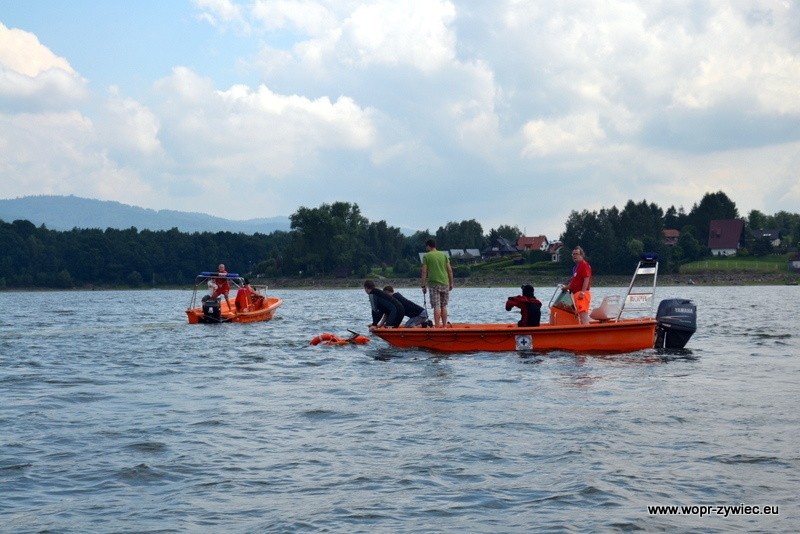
(211, 310)
(677, 321)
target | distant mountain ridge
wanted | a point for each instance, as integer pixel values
(68, 212)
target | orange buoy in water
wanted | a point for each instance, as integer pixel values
(326, 339)
(331, 339)
(358, 340)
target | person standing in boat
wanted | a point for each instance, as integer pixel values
(529, 306)
(416, 314)
(580, 284)
(222, 285)
(386, 310)
(437, 271)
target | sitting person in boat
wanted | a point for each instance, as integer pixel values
(417, 315)
(529, 306)
(386, 310)
(247, 298)
(222, 285)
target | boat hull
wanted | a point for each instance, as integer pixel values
(598, 337)
(227, 315)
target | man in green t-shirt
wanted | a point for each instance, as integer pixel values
(436, 270)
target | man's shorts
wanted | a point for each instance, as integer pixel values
(418, 320)
(582, 301)
(440, 296)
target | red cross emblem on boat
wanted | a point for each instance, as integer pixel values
(524, 342)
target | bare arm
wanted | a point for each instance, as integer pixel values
(450, 275)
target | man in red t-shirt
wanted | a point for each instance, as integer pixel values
(580, 284)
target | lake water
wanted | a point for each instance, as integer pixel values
(117, 415)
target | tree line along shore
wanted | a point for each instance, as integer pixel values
(335, 246)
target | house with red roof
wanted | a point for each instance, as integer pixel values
(538, 242)
(555, 251)
(726, 236)
(670, 237)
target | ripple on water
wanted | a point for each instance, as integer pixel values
(120, 421)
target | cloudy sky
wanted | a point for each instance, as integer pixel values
(420, 111)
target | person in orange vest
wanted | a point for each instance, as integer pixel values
(247, 298)
(580, 284)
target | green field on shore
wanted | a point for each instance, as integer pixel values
(767, 264)
(735, 270)
(774, 263)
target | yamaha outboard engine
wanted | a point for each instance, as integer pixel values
(211, 310)
(677, 321)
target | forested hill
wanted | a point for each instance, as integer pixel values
(68, 212)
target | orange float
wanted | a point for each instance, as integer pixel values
(331, 339)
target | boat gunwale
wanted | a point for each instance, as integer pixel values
(452, 338)
(497, 328)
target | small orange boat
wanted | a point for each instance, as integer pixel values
(607, 332)
(245, 307)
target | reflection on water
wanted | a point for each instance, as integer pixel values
(117, 415)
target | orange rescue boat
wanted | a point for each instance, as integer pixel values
(244, 307)
(607, 332)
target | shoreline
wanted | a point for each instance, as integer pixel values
(711, 278)
(708, 278)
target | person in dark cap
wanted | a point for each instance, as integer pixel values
(529, 306)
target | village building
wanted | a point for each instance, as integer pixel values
(725, 237)
(670, 237)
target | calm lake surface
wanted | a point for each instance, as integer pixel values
(117, 415)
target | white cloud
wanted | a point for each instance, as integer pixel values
(738, 58)
(254, 132)
(220, 12)
(414, 32)
(308, 17)
(32, 77)
(597, 102)
(129, 128)
(330, 35)
(22, 52)
(57, 153)
(46, 145)
(574, 134)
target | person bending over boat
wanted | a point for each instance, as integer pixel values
(386, 310)
(417, 315)
(580, 283)
(529, 306)
(222, 285)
